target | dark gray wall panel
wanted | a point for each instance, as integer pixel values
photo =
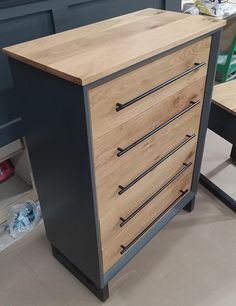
(173, 5)
(10, 132)
(9, 3)
(18, 30)
(93, 11)
(22, 20)
(9, 108)
(13, 31)
(57, 135)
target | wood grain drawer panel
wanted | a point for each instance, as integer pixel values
(130, 166)
(154, 147)
(103, 99)
(111, 204)
(111, 248)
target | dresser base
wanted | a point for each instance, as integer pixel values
(102, 294)
(190, 206)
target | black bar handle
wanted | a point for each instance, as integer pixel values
(131, 146)
(195, 67)
(180, 145)
(149, 200)
(128, 246)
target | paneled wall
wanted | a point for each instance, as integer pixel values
(21, 22)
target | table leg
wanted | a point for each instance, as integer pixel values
(233, 153)
(219, 193)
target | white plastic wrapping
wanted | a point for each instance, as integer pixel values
(23, 218)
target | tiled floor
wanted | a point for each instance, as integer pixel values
(190, 263)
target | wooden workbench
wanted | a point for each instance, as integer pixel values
(223, 122)
(224, 95)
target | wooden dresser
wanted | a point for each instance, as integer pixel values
(116, 115)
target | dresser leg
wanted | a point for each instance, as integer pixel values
(233, 153)
(101, 293)
(190, 206)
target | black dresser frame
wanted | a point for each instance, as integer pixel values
(57, 121)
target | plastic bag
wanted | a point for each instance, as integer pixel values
(210, 8)
(23, 218)
(191, 9)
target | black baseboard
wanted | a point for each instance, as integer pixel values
(101, 293)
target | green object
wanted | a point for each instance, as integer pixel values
(226, 63)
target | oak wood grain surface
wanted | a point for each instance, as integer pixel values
(122, 236)
(224, 95)
(103, 99)
(89, 53)
(110, 203)
(110, 167)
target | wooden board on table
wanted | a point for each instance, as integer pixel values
(224, 95)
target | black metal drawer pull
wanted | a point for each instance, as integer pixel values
(127, 247)
(131, 146)
(134, 213)
(196, 66)
(180, 145)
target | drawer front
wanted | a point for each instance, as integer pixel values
(147, 166)
(121, 239)
(112, 205)
(143, 87)
(148, 137)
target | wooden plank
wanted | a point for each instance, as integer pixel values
(228, 35)
(103, 99)
(110, 202)
(87, 54)
(118, 236)
(110, 167)
(224, 95)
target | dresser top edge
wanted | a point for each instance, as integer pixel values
(89, 53)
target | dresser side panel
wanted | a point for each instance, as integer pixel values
(54, 113)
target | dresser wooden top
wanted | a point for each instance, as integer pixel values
(88, 53)
(224, 95)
